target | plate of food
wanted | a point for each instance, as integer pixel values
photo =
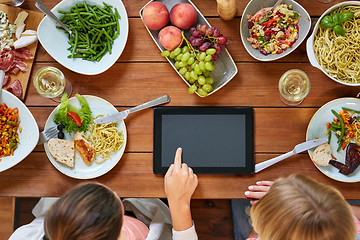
(19, 132)
(84, 150)
(270, 34)
(17, 38)
(195, 49)
(339, 121)
(97, 41)
(340, 61)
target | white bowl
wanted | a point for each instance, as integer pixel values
(29, 135)
(253, 7)
(55, 40)
(310, 43)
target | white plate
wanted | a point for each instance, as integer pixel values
(55, 40)
(317, 127)
(253, 7)
(29, 135)
(81, 170)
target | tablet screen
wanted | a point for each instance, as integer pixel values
(214, 140)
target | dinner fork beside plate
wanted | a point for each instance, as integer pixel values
(47, 134)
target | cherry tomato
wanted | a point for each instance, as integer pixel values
(74, 117)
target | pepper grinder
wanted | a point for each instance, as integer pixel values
(226, 9)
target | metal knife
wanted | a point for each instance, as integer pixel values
(298, 149)
(123, 114)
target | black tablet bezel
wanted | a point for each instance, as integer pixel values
(249, 121)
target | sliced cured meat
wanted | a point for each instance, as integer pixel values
(6, 60)
(6, 80)
(14, 70)
(352, 160)
(23, 53)
(15, 88)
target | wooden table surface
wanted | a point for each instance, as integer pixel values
(141, 74)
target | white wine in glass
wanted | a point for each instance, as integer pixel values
(51, 83)
(294, 86)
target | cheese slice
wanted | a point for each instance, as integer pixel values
(19, 23)
(20, 18)
(19, 30)
(24, 41)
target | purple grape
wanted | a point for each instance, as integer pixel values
(198, 42)
(203, 28)
(192, 29)
(217, 48)
(215, 57)
(191, 38)
(197, 33)
(209, 32)
(216, 33)
(192, 42)
(222, 40)
(222, 46)
(204, 46)
(198, 27)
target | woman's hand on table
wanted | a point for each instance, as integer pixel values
(180, 183)
(256, 192)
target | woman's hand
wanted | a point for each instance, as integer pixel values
(180, 183)
(256, 192)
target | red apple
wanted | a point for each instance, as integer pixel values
(183, 15)
(155, 15)
(170, 37)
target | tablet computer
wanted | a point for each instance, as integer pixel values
(215, 140)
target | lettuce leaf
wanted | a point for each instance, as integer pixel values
(84, 113)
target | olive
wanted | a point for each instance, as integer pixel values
(60, 135)
(60, 127)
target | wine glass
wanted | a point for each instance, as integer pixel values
(294, 86)
(50, 82)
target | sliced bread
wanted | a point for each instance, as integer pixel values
(62, 150)
(322, 155)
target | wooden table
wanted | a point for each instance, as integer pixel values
(141, 74)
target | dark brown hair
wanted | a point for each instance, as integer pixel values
(89, 211)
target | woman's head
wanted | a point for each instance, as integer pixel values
(298, 207)
(89, 211)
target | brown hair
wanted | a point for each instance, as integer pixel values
(298, 207)
(89, 211)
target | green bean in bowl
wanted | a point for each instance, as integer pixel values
(94, 30)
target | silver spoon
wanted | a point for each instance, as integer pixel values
(48, 13)
(2, 77)
(14, 3)
(276, 4)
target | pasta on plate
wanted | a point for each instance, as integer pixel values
(340, 56)
(106, 139)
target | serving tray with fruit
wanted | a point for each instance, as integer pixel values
(196, 50)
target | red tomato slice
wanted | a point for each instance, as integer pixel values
(74, 117)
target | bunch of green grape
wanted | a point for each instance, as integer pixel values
(195, 67)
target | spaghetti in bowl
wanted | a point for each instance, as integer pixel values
(335, 55)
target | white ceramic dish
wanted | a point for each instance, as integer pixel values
(225, 67)
(29, 135)
(253, 7)
(317, 127)
(310, 42)
(80, 169)
(55, 40)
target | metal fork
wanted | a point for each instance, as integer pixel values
(47, 134)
